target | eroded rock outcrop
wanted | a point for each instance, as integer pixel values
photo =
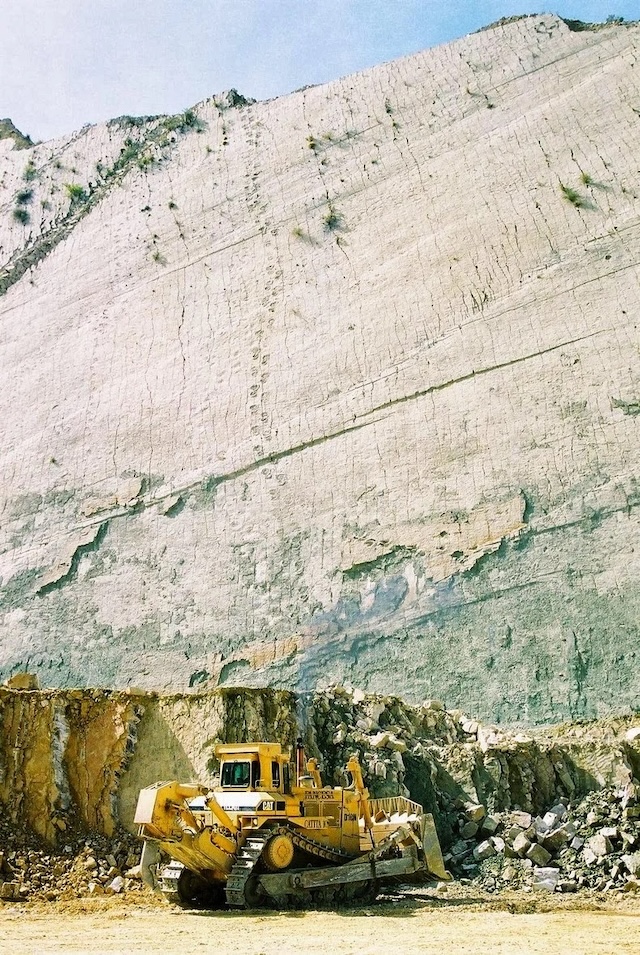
(74, 760)
(339, 386)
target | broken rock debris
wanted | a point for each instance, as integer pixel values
(572, 846)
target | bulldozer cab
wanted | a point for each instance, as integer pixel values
(260, 766)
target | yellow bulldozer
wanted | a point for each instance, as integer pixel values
(270, 833)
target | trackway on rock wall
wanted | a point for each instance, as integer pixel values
(340, 386)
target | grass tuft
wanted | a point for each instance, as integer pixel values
(75, 191)
(332, 220)
(572, 196)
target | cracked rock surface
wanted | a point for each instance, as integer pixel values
(341, 386)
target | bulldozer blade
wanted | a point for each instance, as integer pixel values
(149, 864)
(432, 850)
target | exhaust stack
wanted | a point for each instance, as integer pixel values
(300, 760)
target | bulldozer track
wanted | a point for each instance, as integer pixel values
(314, 848)
(236, 887)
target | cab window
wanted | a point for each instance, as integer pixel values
(236, 774)
(275, 774)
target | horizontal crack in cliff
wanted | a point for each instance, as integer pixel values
(209, 484)
(469, 376)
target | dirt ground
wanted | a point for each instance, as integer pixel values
(457, 923)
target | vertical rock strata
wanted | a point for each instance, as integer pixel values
(342, 385)
(61, 758)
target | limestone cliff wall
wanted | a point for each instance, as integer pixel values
(339, 386)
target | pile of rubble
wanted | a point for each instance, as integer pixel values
(381, 729)
(490, 789)
(89, 865)
(593, 844)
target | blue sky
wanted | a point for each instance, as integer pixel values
(64, 63)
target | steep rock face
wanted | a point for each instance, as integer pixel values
(343, 385)
(73, 761)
